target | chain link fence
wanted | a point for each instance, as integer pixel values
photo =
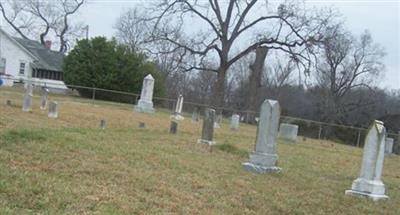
(344, 134)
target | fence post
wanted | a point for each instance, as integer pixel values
(319, 132)
(358, 138)
(93, 95)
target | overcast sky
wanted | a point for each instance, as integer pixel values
(380, 17)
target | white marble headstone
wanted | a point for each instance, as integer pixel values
(53, 109)
(389, 145)
(288, 132)
(145, 103)
(369, 183)
(235, 122)
(178, 109)
(263, 159)
(27, 105)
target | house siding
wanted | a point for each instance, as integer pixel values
(14, 55)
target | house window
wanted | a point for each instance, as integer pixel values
(22, 68)
(3, 66)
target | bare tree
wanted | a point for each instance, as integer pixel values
(235, 25)
(36, 19)
(347, 63)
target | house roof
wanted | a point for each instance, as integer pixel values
(46, 58)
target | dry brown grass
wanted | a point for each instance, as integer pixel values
(69, 166)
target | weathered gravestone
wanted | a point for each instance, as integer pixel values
(142, 125)
(43, 102)
(103, 124)
(145, 103)
(195, 115)
(264, 159)
(8, 103)
(178, 109)
(389, 145)
(173, 127)
(207, 133)
(27, 105)
(53, 110)
(288, 132)
(235, 122)
(218, 121)
(369, 183)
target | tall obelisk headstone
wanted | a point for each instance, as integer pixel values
(178, 109)
(145, 103)
(207, 133)
(27, 105)
(263, 159)
(369, 183)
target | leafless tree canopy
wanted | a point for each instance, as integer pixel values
(346, 63)
(220, 26)
(38, 20)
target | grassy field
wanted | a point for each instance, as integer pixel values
(70, 166)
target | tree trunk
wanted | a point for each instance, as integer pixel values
(219, 88)
(255, 78)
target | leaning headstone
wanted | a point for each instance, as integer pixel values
(195, 115)
(235, 122)
(288, 132)
(103, 124)
(53, 109)
(178, 109)
(264, 159)
(389, 145)
(27, 105)
(142, 125)
(218, 121)
(173, 127)
(145, 103)
(207, 133)
(43, 102)
(369, 183)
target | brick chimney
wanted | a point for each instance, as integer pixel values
(47, 44)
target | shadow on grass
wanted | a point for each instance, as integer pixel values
(232, 149)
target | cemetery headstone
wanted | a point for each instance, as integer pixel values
(145, 103)
(103, 124)
(369, 183)
(173, 127)
(389, 145)
(27, 105)
(264, 158)
(53, 109)
(43, 102)
(207, 133)
(8, 102)
(218, 121)
(178, 109)
(142, 125)
(288, 132)
(235, 122)
(195, 115)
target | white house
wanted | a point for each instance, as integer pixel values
(22, 59)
